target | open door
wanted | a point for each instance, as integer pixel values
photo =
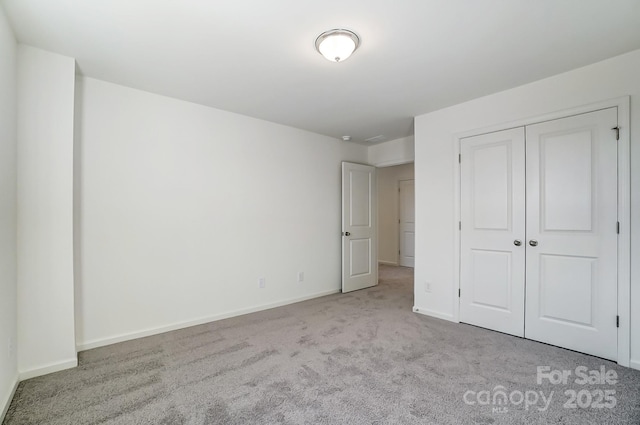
(359, 227)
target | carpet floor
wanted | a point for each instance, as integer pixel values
(357, 358)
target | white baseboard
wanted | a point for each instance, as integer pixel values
(45, 370)
(7, 402)
(634, 364)
(436, 314)
(181, 325)
(389, 263)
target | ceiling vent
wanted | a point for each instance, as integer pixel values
(375, 139)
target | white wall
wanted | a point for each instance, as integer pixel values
(46, 340)
(393, 152)
(8, 314)
(388, 210)
(182, 208)
(435, 164)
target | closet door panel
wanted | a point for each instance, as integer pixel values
(571, 276)
(492, 202)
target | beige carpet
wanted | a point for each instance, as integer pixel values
(358, 358)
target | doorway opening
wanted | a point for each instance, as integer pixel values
(396, 215)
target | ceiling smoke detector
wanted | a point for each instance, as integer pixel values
(337, 45)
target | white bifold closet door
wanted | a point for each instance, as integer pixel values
(542, 254)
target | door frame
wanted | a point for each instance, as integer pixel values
(624, 208)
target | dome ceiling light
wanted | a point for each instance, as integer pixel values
(337, 45)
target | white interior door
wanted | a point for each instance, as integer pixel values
(492, 256)
(571, 233)
(407, 223)
(359, 227)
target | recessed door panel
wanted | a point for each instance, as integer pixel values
(491, 274)
(360, 255)
(564, 278)
(491, 195)
(408, 246)
(566, 176)
(361, 191)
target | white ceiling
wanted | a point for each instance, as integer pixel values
(257, 57)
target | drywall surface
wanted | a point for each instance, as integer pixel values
(8, 279)
(435, 135)
(182, 208)
(388, 210)
(46, 339)
(393, 152)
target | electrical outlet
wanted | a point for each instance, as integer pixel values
(427, 286)
(300, 277)
(262, 282)
(10, 347)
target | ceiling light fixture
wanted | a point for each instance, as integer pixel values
(337, 45)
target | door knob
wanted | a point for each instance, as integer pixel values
(347, 234)
(517, 242)
(533, 242)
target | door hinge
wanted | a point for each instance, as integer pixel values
(459, 225)
(459, 292)
(459, 158)
(618, 227)
(617, 321)
(617, 130)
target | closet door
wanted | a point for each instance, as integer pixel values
(493, 231)
(571, 277)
